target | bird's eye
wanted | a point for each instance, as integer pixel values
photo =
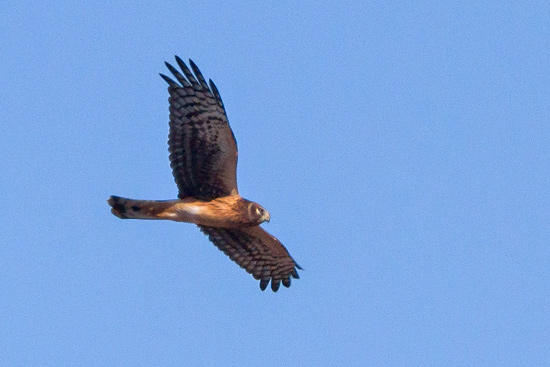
(258, 211)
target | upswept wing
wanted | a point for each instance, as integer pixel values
(202, 146)
(258, 252)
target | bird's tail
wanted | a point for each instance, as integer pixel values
(136, 209)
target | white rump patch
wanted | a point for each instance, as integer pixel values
(194, 210)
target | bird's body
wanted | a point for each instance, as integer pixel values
(203, 157)
(223, 212)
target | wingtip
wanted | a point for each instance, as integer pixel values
(287, 282)
(275, 285)
(263, 284)
(167, 79)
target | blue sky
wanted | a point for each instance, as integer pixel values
(402, 150)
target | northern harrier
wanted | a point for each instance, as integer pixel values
(204, 164)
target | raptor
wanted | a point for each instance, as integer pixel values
(203, 158)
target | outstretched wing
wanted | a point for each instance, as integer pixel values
(256, 251)
(202, 146)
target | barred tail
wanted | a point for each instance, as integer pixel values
(136, 209)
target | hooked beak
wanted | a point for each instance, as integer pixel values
(266, 217)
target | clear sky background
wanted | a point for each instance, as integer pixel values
(403, 151)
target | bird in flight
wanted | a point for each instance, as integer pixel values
(203, 158)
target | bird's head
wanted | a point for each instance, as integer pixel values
(257, 214)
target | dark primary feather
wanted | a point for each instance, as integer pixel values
(202, 146)
(256, 251)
